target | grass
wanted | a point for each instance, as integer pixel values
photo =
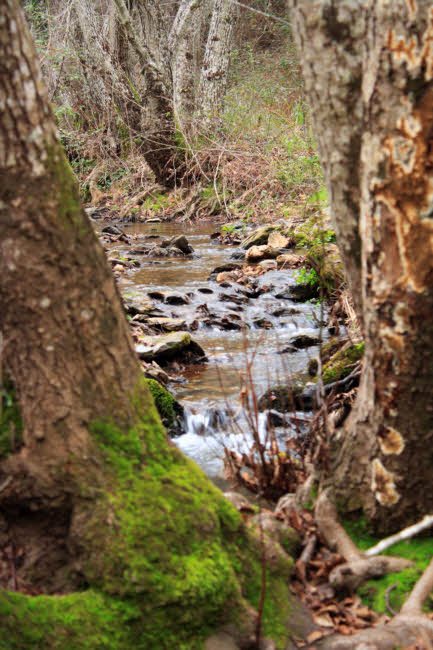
(261, 166)
(373, 592)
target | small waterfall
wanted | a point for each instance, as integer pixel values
(205, 422)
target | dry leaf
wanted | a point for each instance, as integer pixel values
(323, 620)
(315, 636)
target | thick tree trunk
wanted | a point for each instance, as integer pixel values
(368, 73)
(184, 43)
(157, 130)
(66, 344)
(216, 60)
(94, 501)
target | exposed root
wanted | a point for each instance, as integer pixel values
(358, 568)
(407, 627)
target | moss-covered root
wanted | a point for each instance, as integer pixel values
(167, 559)
(338, 360)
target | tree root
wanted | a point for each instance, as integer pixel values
(358, 568)
(409, 625)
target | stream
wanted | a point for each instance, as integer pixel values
(211, 392)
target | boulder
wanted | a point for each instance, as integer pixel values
(225, 276)
(230, 266)
(112, 230)
(170, 411)
(305, 291)
(182, 244)
(258, 253)
(325, 259)
(137, 305)
(300, 341)
(158, 251)
(156, 295)
(299, 292)
(278, 240)
(263, 323)
(153, 371)
(288, 397)
(119, 262)
(285, 311)
(237, 255)
(167, 324)
(258, 237)
(268, 264)
(176, 298)
(167, 347)
(290, 260)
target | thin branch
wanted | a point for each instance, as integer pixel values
(406, 533)
(262, 13)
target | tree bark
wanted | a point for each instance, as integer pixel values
(184, 44)
(368, 73)
(216, 61)
(66, 344)
(95, 501)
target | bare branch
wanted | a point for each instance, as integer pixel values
(406, 533)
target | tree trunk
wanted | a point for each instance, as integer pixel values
(368, 73)
(158, 130)
(184, 43)
(94, 501)
(216, 60)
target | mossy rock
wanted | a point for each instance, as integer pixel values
(257, 238)
(332, 346)
(168, 408)
(326, 261)
(341, 364)
(164, 557)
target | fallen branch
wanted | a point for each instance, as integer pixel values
(406, 533)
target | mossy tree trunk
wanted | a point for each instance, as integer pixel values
(368, 73)
(145, 550)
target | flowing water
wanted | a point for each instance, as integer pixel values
(212, 393)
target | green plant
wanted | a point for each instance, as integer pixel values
(307, 276)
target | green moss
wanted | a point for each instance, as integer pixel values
(373, 593)
(341, 364)
(164, 400)
(89, 620)
(312, 233)
(277, 609)
(69, 208)
(165, 556)
(11, 424)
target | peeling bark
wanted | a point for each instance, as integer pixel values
(368, 69)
